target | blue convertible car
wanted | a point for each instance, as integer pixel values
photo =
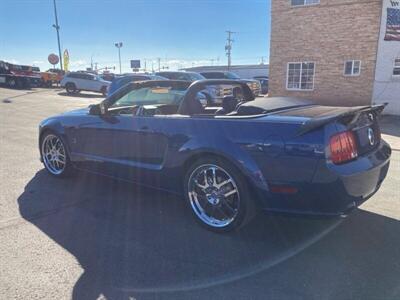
(277, 154)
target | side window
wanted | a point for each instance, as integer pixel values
(303, 2)
(132, 98)
(300, 76)
(182, 77)
(396, 68)
(217, 75)
(352, 67)
(171, 76)
(150, 96)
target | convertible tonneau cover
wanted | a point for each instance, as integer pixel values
(315, 115)
(273, 103)
(338, 113)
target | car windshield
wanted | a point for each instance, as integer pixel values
(156, 77)
(151, 96)
(230, 75)
(196, 76)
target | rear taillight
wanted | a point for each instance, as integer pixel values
(343, 147)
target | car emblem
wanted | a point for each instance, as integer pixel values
(371, 136)
(371, 116)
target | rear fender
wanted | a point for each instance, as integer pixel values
(227, 150)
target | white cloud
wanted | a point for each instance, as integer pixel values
(12, 61)
(78, 63)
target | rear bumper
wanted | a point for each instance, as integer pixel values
(335, 189)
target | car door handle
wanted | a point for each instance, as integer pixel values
(145, 129)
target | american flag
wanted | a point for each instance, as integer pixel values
(393, 25)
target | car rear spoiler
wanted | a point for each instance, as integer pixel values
(349, 112)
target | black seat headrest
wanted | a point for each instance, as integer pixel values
(229, 104)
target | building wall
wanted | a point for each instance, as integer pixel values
(244, 71)
(387, 86)
(328, 34)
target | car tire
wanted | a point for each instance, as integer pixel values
(12, 83)
(55, 155)
(70, 88)
(218, 208)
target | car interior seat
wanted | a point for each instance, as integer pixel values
(192, 107)
(229, 104)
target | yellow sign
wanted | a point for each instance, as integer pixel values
(66, 60)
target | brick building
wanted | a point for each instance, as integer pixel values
(329, 50)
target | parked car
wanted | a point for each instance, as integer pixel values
(180, 75)
(213, 94)
(81, 81)
(120, 81)
(254, 85)
(280, 155)
(264, 82)
(60, 74)
(108, 76)
(49, 78)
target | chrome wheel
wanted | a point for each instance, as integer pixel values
(53, 154)
(213, 195)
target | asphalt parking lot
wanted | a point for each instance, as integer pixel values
(90, 237)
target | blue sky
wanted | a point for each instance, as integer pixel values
(182, 33)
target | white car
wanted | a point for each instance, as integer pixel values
(81, 81)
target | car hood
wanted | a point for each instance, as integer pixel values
(249, 80)
(77, 112)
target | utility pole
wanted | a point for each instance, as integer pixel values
(57, 27)
(91, 62)
(119, 46)
(228, 47)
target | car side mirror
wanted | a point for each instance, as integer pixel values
(103, 108)
(98, 109)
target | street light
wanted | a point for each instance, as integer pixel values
(57, 27)
(119, 46)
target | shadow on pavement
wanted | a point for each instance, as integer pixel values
(390, 125)
(134, 241)
(81, 95)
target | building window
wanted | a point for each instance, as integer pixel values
(396, 69)
(300, 76)
(303, 2)
(352, 68)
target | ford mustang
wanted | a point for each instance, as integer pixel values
(283, 155)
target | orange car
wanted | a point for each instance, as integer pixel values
(51, 76)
